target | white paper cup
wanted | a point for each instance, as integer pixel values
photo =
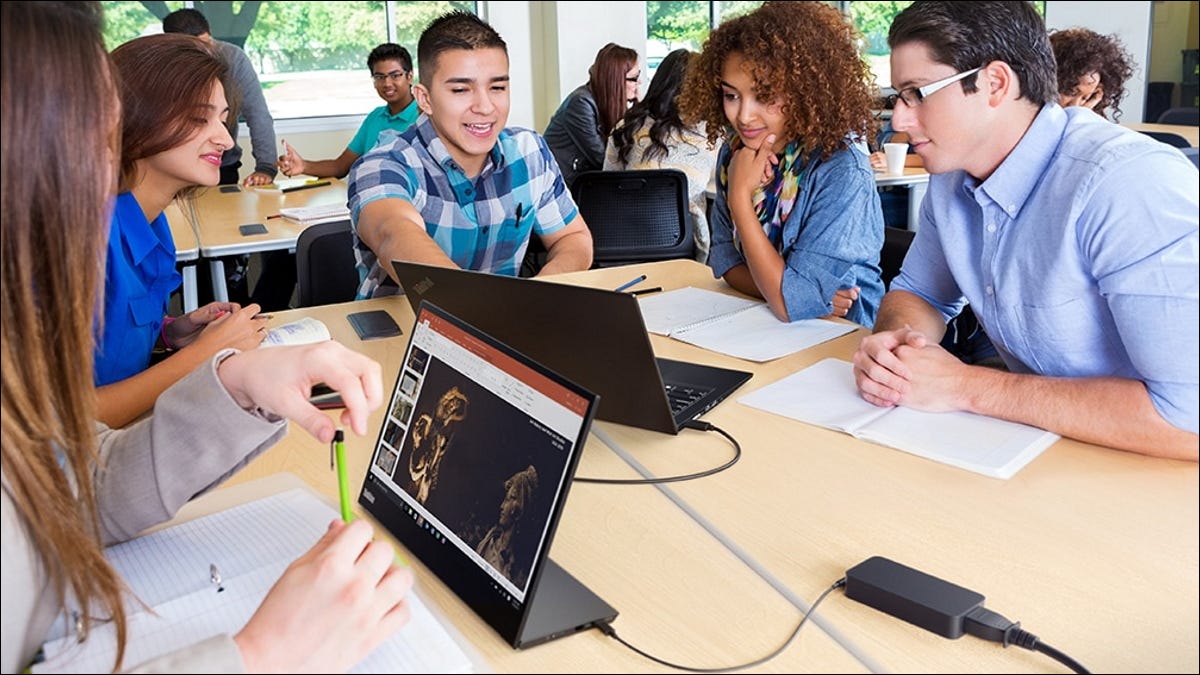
(895, 153)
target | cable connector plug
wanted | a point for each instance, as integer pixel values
(985, 624)
(698, 425)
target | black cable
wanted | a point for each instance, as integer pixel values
(692, 424)
(608, 630)
(988, 625)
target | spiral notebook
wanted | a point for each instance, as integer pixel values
(733, 325)
(207, 576)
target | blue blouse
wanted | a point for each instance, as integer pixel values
(138, 283)
(830, 241)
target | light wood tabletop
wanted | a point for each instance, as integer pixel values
(1093, 550)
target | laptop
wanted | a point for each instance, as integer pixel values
(593, 336)
(471, 471)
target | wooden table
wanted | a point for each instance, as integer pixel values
(218, 215)
(1092, 549)
(187, 251)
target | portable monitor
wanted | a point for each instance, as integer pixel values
(471, 473)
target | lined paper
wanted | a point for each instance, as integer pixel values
(251, 545)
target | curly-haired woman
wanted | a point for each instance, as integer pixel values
(797, 219)
(1092, 70)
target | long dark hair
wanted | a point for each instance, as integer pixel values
(660, 105)
(606, 79)
(165, 79)
(59, 105)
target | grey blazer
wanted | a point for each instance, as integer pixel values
(197, 437)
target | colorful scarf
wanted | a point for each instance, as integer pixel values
(773, 202)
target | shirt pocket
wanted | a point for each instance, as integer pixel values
(1057, 337)
(145, 316)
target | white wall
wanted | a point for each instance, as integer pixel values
(1130, 21)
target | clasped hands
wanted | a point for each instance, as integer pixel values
(904, 367)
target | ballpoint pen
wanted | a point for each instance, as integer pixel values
(320, 183)
(633, 282)
(644, 291)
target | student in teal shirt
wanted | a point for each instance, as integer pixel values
(392, 71)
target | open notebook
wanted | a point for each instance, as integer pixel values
(825, 394)
(733, 325)
(248, 546)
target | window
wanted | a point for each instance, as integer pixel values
(873, 20)
(685, 25)
(311, 57)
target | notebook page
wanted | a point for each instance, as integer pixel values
(755, 334)
(254, 543)
(823, 394)
(674, 310)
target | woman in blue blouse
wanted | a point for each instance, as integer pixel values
(174, 114)
(797, 219)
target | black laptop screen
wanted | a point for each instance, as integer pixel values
(473, 463)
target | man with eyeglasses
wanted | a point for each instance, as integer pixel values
(1073, 239)
(392, 72)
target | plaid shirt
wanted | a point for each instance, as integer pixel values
(474, 221)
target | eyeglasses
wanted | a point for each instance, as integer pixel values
(913, 96)
(394, 76)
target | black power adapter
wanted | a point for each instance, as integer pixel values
(939, 606)
(905, 593)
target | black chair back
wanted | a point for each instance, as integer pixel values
(895, 245)
(325, 271)
(1173, 140)
(636, 215)
(1186, 116)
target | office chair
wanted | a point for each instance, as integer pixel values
(325, 271)
(1171, 139)
(895, 244)
(636, 215)
(1185, 115)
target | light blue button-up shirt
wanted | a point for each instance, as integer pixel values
(1079, 255)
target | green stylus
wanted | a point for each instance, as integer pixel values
(339, 453)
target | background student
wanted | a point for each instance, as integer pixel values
(1074, 241)
(578, 131)
(796, 220)
(172, 135)
(652, 136)
(457, 188)
(252, 105)
(1092, 70)
(392, 72)
(69, 489)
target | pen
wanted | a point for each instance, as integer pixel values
(644, 291)
(268, 317)
(274, 215)
(627, 284)
(306, 186)
(339, 453)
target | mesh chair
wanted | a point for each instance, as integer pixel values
(635, 216)
(325, 271)
(1186, 116)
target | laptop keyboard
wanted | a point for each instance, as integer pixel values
(681, 396)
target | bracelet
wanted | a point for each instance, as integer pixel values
(167, 321)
